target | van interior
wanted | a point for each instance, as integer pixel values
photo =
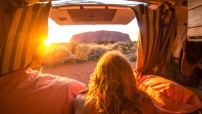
(169, 41)
(173, 64)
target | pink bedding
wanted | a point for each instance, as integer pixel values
(30, 92)
(168, 96)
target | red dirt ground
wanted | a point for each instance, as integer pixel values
(80, 72)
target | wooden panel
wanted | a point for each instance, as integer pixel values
(195, 17)
(195, 39)
(194, 3)
(196, 31)
(195, 20)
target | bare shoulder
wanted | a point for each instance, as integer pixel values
(80, 107)
(80, 100)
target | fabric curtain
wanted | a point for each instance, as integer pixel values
(22, 31)
(22, 3)
(157, 32)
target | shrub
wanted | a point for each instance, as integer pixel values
(61, 51)
(81, 50)
(132, 57)
(55, 55)
(118, 46)
(72, 47)
(124, 47)
(95, 52)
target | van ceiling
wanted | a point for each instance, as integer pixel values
(73, 12)
(91, 14)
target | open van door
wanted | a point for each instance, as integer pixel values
(24, 27)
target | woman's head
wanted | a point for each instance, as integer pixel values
(112, 84)
(113, 70)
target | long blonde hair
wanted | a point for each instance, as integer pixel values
(113, 85)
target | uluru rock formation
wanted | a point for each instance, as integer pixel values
(100, 36)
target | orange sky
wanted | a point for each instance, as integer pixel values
(59, 33)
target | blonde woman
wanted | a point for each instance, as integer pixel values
(112, 90)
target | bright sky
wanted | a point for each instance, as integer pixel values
(64, 33)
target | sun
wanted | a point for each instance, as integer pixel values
(47, 42)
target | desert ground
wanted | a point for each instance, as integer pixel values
(77, 71)
(78, 60)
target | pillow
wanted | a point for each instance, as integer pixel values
(168, 96)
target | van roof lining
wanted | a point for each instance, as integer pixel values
(91, 14)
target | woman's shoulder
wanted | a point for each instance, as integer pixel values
(79, 104)
(80, 98)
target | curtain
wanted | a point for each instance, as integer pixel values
(157, 32)
(22, 31)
